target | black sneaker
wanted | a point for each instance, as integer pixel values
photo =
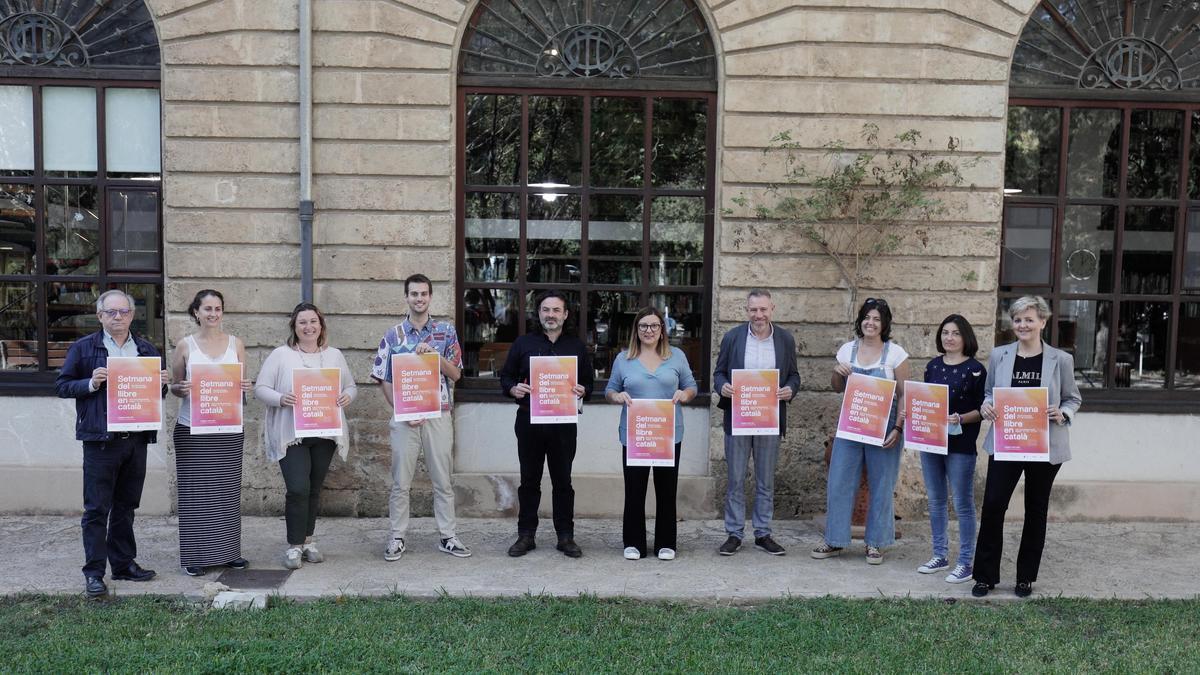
(238, 564)
(1024, 589)
(569, 548)
(193, 571)
(731, 545)
(524, 544)
(769, 545)
(980, 589)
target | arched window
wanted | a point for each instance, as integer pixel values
(80, 181)
(1102, 192)
(586, 136)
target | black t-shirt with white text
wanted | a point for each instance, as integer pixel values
(1027, 371)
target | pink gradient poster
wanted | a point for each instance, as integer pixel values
(553, 399)
(1022, 429)
(416, 386)
(316, 411)
(755, 402)
(134, 393)
(650, 433)
(866, 406)
(927, 417)
(216, 398)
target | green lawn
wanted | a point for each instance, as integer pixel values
(588, 635)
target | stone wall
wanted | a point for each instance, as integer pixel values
(821, 72)
(383, 161)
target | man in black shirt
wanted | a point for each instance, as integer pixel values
(549, 444)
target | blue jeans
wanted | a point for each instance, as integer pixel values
(737, 459)
(959, 470)
(845, 469)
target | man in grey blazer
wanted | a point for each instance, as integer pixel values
(756, 344)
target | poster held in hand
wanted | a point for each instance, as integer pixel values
(1021, 428)
(650, 433)
(866, 406)
(552, 380)
(134, 393)
(216, 398)
(416, 386)
(927, 417)
(755, 402)
(316, 410)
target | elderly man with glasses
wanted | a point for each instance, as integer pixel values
(114, 464)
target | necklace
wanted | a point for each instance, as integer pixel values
(306, 360)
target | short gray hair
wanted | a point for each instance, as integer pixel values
(114, 292)
(758, 293)
(1030, 302)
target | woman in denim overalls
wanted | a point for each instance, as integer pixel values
(873, 328)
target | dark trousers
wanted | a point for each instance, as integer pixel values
(1002, 479)
(554, 446)
(113, 474)
(633, 524)
(304, 468)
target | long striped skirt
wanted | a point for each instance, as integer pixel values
(208, 470)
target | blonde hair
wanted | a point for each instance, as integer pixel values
(1030, 302)
(662, 348)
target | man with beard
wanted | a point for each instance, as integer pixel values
(549, 444)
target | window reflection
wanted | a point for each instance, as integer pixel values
(492, 248)
(1031, 153)
(70, 315)
(1187, 351)
(1155, 138)
(133, 230)
(1083, 330)
(677, 241)
(680, 143)
(1142, 337)
(555, 140)
(610, 326)
(1026, 253)
(615, 240)
(552, 240)
(18, 326)
(1094, 155)
(489, 328)
(72, 230)
(18, 232)
(618, 141)
(493, 143)
(1148, 250)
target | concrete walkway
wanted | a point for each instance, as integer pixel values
(1094, 560)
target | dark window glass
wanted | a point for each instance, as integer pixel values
(1187, 352)
(18, 229)
(1142, 336)
(680, 131)
(1031, 153)
(677, 241)
(1094, 157)
(615, 240)
(555, 141)
(1148, 250)
(1027, 237)
(493, 237)
(493, 144)
(71, 312)
(1083, 330)
(685, 324)
(488, 329)
(1155, 139)
(72, 230)
(148, 318)
(618, 141)
(18, 326)
(1086, 255)
(133, 230)
(610, 325)
(552, 240)
(1194, 160)
(1191, 255)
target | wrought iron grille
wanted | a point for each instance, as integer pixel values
(613, 39)
(77, 34)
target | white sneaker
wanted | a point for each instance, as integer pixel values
(311, 554)
(293, 558)
(631, 553)
(666, 554)
(454, 547)
(874, 555)
(394, 550)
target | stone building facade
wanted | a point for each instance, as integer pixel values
(386, 181)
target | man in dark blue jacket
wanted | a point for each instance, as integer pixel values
(114, 464)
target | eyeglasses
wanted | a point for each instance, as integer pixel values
(649, 327)
(876, 301)
(114, 313)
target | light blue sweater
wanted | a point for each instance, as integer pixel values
(630, 376)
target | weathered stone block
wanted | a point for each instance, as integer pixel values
(229, 84)
(395, 159)
(267, 261)
(756, 166)
(742, 131)
(388, 88)
(366, 51)
(221, 156)
(243, 48)
(384, 229)
(391, 124)
(386, 264)
(229, 15)
(233, 191)
(875, 98)
(228, 226)
(228, 120)
(384, 194)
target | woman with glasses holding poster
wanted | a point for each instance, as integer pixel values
(964, 378)
(873, 354)
(1028, 362)
(650, 369)
(304, 461)
(208, 466)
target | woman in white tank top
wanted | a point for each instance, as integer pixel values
(208, 466)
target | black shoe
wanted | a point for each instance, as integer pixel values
(524, 544)
(569, 548)
(1024, 589)
(94, 587)
(981, 589)
(239, 564)
(768, 544)
(731, 545)
(133, 573)
(193, 571)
